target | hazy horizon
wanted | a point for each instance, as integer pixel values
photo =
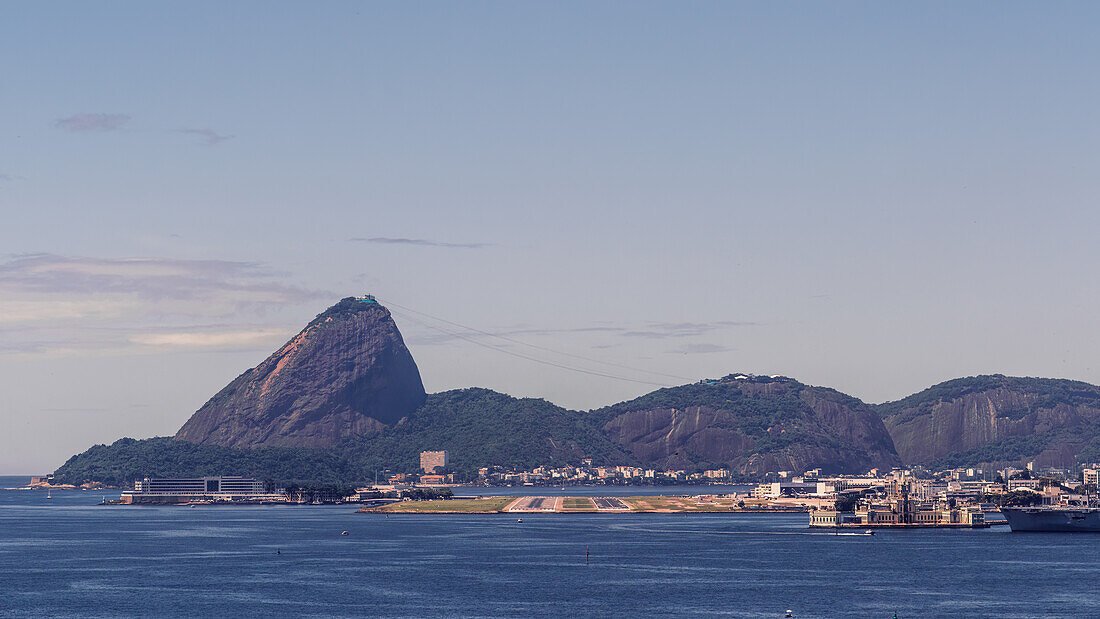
(872, 198)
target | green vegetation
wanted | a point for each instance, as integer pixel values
(575, 503)
(1049, 393)
(1016, 498)
(1051, 421)
(774, 421)
(127, 460)
(479, 427)
(678, 504)
(476, 426)
(1016, 449)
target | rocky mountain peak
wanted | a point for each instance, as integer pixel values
(348, 373)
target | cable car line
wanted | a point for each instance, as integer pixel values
(527, 357)
(537, 347)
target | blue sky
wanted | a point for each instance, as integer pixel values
(866, 196)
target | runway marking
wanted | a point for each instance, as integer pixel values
(535, 504)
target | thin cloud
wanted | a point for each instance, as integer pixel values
(386, 240)
(92, 122)
(148, 279)
(208, 137)
(7, 178)
(701, 348)
(80, 306)
(685, 329)
(220, 338)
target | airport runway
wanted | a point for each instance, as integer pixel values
(541, 504)
(610, 504)
(536, 504)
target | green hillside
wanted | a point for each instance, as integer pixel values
(477, 427)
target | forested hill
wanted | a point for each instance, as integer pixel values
(478, 427)
(481, 427)
(997, 419)
(751, 424)
(127, 460)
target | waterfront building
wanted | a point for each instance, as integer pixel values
(854, 483)
(777, 489)
(1091, 476)
(182, 490)
(433, 461)
(900, 509)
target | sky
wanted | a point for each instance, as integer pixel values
(869, 196)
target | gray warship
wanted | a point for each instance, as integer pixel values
(1058, 519)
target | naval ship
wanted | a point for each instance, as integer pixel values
(1054, 518)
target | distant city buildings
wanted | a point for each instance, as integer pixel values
(433, 461)
(896, 505)
(1091, 476)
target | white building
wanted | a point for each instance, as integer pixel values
(182, 490)
(1091, 476)
(432, 460)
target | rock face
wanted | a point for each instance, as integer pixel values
(347, 374)
(996, 419)
(751, 425)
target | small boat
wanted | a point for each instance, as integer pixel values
(48, 494)
(344, 533)
(519, 519)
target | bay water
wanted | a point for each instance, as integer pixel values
(66, 556)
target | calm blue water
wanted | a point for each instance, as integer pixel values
(67, 557)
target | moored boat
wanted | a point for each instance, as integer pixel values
(1053, 519)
